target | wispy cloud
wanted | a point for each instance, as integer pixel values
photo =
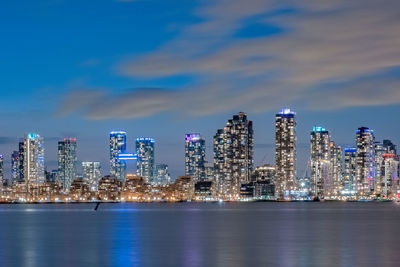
(339, 53)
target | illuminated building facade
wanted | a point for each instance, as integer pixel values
(145, 158)
(2, 180)
(21, 156)
(337, 169)
(390, 174)
(67, 162)
(265, 172)
(33, 160)
(219, 158)
(350, 166)
(365, 160)
(195, 153)
(15, 166)
(91, 171)
(285, 151)
(321, 167)
(233, 155)
(117, 146)
(161, 175)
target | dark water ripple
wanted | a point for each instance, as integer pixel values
(201, 234)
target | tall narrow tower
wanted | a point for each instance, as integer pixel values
(145, 158)
(117, 146)
(365, 160)
(33, 160)
(67, 162)
(195, 153)
(285, 150)
(322, 183)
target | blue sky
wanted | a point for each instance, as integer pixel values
(163, 68)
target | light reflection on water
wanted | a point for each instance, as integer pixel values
(200, 234)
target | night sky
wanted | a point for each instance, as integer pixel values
(165, 68)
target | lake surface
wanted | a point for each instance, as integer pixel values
(201, 234)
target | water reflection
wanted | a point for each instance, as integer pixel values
(194, 234)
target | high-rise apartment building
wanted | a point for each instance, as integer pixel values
(91, 174)
(337, 169)
(33, 160)
(322, 184)
(21, 156)
(117, 146)
(350, 166)
(15, 174)
(195, 155)
(285, 151)
(2, 179)
(145, 158)
(365, 158)
(67, 162)
(233, 155)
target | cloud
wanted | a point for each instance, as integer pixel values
(338, 53)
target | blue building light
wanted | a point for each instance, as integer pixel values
(192, 137)
(32, 135)
(141, 139)
(117, 132)
(350, 149)
(318, 129)
(127, 156)
(287, 111)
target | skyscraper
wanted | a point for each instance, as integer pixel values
(145, 158)
(337, 169)
(2, 180)
(379, 168)
(390, 174)
(233, 155)
(33, 160)
(321, 168)
(67, 162)
(15, 174)
(91, 174)
(285, 150)
(350, 166)
(195, 154)
(21, 164)
(365, 158)
(117, 146)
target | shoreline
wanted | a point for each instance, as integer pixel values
(213, 202)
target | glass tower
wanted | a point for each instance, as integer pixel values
(195, 153)
(285, 151)
(145, 158)
(321, 169)
(2, 180)
(117, 146)
(365, 160)
(33, 159)
(67, 162)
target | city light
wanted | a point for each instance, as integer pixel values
(367, 171)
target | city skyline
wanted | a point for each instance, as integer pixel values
(199, 133)
(127, 151)
(62, 79)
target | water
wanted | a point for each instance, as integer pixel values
(201, 234)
